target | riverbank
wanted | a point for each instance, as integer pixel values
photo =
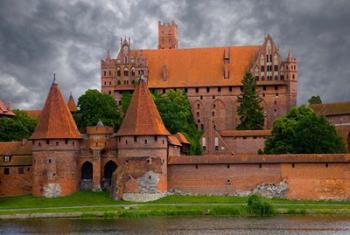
(91, 204)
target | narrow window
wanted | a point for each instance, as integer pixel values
(155, 138)
(219, 89)
(6, 171)
(197, 90)
(47, 141)
(276, 88)
(66, 141)
(135, 139)
(230, 88)
(196, 166)
(145, 141)
(262, 68)
(198, 106)
(264, 88)
(208, 89)
(186, 90)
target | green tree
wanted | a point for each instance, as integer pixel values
(302, 131)
(315, 100)
(94, 106)
(250, 112)
(126, 97)
(176, 112)
(18, 127)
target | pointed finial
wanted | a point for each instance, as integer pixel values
(54, 78)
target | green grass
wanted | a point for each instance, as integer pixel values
(77, 199)
(99, 204)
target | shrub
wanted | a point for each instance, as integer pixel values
(259, 207)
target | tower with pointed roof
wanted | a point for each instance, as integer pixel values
(71, 104)
(55, 148)
(142, 148)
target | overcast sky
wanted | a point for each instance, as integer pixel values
(69, 38)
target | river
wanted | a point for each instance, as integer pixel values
(182, 225)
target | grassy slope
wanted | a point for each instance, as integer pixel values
(92, 203)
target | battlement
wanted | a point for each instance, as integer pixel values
(167, 35)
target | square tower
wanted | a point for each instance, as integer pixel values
(167, 35)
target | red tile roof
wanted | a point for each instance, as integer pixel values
(245, 133)
(71, 104)
(56, 121)
(5, 111)
(142, 116)
(330, 109)
(182, 138)
(173, 140)
(196, 67)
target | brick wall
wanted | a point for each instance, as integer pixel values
(17, 182)
(312, 177)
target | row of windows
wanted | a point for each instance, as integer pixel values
(20, 170)
(125, 72)
(57, 143)
(145, 140)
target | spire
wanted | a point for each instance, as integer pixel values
(71, 104)
(290, 55)
(56, 122)
(142, 116)
(100, 123)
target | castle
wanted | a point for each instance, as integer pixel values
(142, 161)
(211, 78)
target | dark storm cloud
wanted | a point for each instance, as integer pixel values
(38, 38)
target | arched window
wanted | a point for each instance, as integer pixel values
(118, 72)
(126, 72)
(133, 72)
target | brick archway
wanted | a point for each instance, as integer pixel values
(108, 171)
(86, 176)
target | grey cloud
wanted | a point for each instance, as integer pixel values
(38, 38)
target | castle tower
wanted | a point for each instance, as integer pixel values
(167, 35)
(55, 149)
(292, 79)
(99, 135)
(142, 149)
(71, 104)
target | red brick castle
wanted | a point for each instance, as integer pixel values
(211, 78)
(143, 161)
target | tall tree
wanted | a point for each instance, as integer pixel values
(250, 112)
(176, 113)
(302, 131)
(315, 100)
(18, 127)
(94, 106)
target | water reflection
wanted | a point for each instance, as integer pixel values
(183, 225)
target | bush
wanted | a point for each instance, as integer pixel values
(259, 207)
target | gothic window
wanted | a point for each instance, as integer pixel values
(282, 77)
(208, 89)
(262, 78)
(6, 171)
(262, 68)
(230, 88)
(126, 72)
(276, 77)
(293, 76)
(257, 78)
(197, 89)
(118, 72)
(198, 106)
(219, 89)
(276, 67)
(118, 82)
(133, 72)
(104, 73)
(109, 73)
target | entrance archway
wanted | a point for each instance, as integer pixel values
(108, 170)
(86, 176)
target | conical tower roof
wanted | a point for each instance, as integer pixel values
(142, 116)
(56, 121)
(71, 104)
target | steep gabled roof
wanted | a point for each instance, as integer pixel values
(5, 111)
(56, 121)
(330, 109)
(196, 67)
(71, 104)
(142, 116)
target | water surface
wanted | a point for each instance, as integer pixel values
(182, 225)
